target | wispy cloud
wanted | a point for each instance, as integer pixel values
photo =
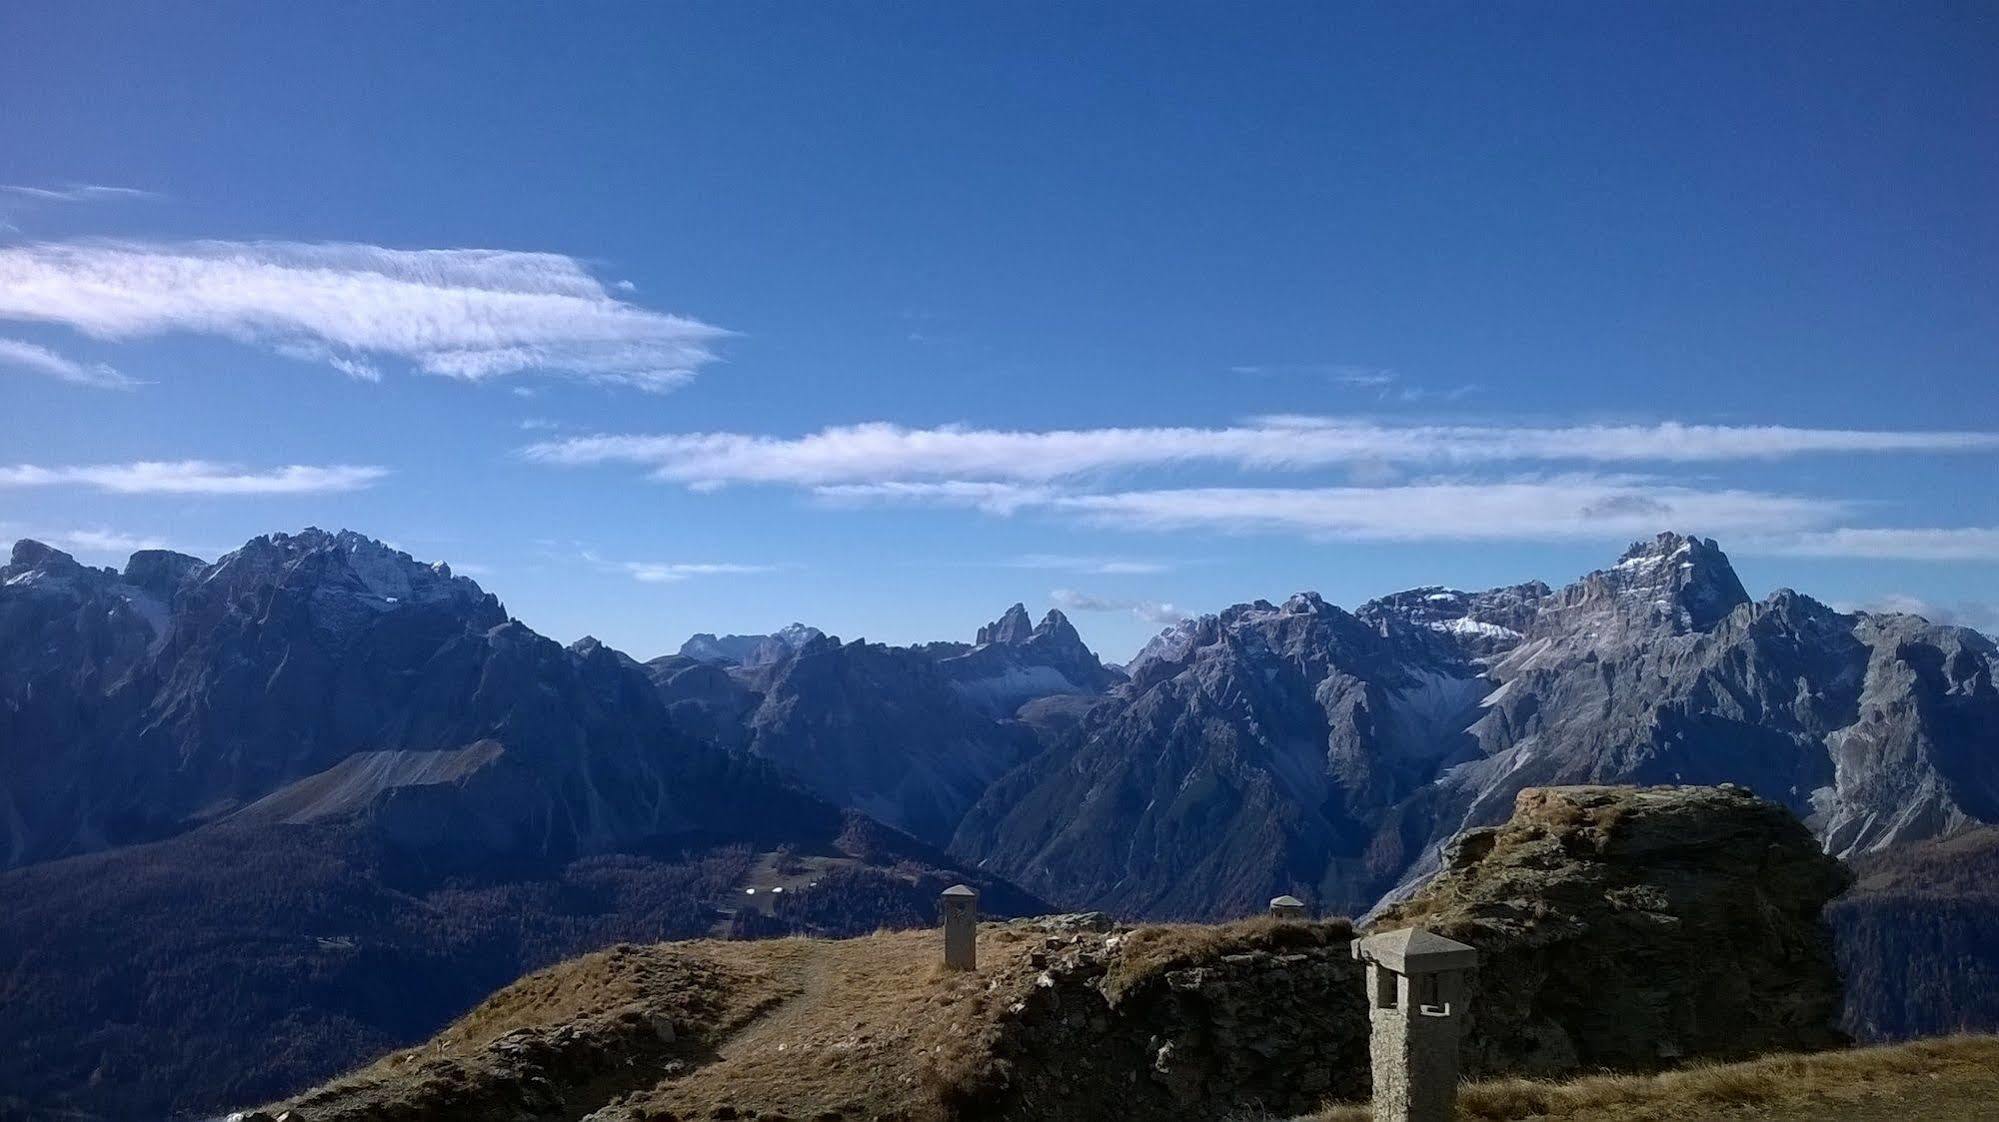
(1384, 383)
(1975, 543)
(1105, 566)
(882, 453)
(102, 541)
(17, 354)
(1343, 373)
(993, 498)
(669, 572)
(194, 477)
(1563, 507)
(1152, 611)
(75, 193)
(1975, 614)
(462, 313)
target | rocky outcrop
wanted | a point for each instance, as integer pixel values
(1634, 928)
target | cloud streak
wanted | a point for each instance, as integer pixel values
(1101, 566)
(75, 193)
(461, 313)
(877, 453)
(20, 355)
(1152, 611)
(101, 541)
(1566, 507)
(1974, 543)
(672, 572)
(194, 477)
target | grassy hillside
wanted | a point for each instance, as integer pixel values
(1951, 1079)
(1061, 1019)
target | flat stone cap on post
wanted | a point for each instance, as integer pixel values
(1413, 950)
(959, 890)
(1287, 907)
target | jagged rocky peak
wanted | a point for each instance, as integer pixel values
(1676, 581)
(590, 647)
(344, 561)
(1015, 626)
(161, 571)
(750, 650)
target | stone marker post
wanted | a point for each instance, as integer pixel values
(1415, 1003)
(1287, 907)
(960, 908)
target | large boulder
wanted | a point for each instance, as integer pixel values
(1636, 927)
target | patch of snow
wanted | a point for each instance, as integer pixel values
(1426, 716)
(1016, 684)
(1467, 626)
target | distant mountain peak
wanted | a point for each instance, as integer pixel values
(350, 566)
(750, 650)
(1690, 572)
(29, 554)
(1014, 626)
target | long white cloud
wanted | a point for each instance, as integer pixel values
(665, 572)
(194, 477)
(1568, 507)
(463, 313)
(75, 193)
(671, 572)
(21, 355)
(882, 452)
(1974, 543)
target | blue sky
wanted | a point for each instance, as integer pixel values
(669, 318)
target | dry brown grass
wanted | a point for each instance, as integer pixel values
(1151, 951)
(877, 1029)
(1949, 1079)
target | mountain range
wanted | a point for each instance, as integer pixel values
(268, 815)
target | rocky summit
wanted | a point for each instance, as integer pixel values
(1680, 923)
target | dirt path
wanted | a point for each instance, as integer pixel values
(863, 1020)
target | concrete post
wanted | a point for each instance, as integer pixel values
(1287, 907)
(1415, 1003)
(959, 906)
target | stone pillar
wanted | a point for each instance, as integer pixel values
(959, 906)
(1415, 1003)
(1287, 907)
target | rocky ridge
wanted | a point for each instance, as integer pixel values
(320, 792)
(1081, 1017)
(1302, 749)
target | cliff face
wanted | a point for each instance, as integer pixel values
(1633, 928)
(1622, 928)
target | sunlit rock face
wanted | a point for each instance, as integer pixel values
(1302, 749)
